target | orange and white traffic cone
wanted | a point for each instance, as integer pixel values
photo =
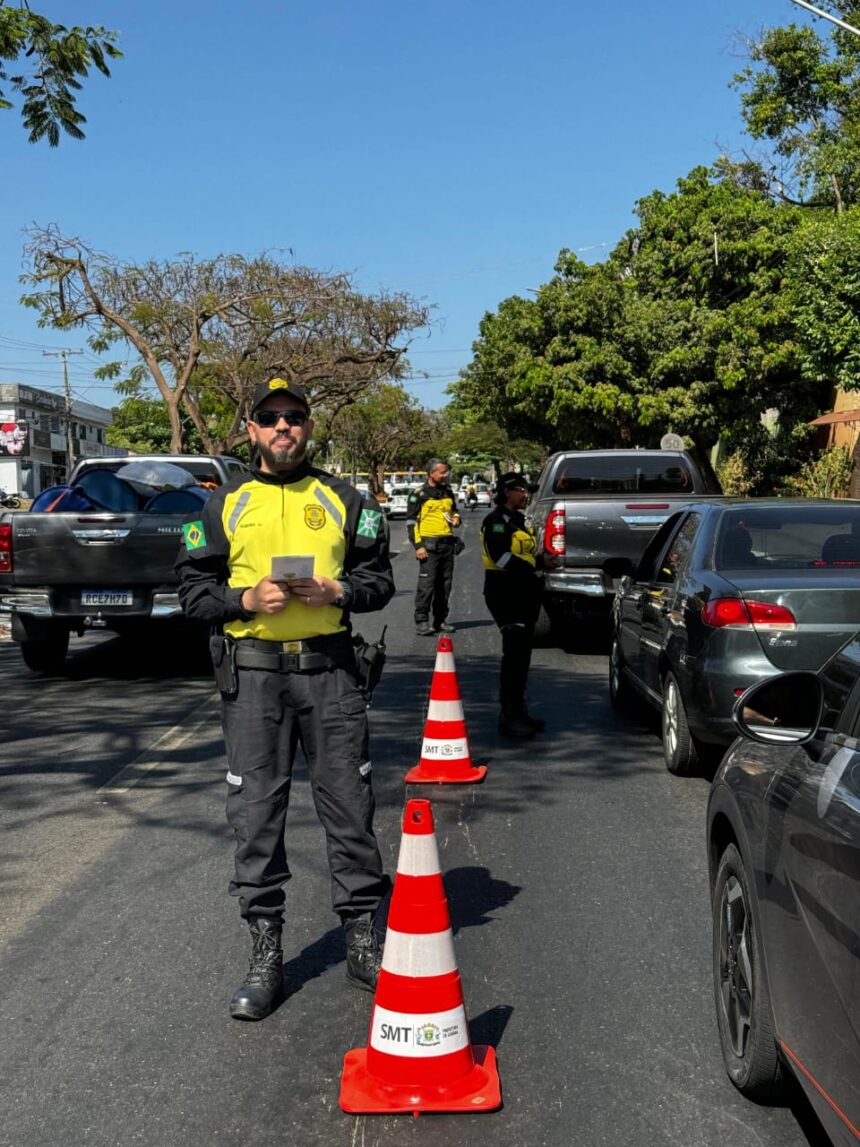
(419, 1057)
(445, 757)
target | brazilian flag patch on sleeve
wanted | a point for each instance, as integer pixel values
(195, 537)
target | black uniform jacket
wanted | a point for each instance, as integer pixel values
(254, 517)
(427, 511)
(508, 545)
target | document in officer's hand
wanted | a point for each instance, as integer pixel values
(288, 568)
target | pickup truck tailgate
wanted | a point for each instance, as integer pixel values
(92, 549)
(590, 524)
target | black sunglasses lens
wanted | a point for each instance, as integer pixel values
(271, 418)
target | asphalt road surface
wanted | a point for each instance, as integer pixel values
(576, 877)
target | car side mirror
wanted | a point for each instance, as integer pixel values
(781, 710)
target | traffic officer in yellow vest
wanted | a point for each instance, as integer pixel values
(512, 591)
(276, 562)
(431, 518)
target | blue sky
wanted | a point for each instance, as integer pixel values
(449, 149)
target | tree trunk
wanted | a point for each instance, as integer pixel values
(177, 434)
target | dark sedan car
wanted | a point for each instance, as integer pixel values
(784, 860)
(728, 593)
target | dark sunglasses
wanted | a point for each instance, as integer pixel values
(269, 418)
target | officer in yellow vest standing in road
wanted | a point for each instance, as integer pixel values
(277, 562)
(431, 518)
(512, 591)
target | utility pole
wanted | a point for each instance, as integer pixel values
(67, 390)
(826, 16)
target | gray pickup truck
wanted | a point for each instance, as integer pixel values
(69, 571)
(597, 510)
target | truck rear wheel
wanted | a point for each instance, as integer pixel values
(46, 654)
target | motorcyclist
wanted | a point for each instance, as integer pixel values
(471, 496)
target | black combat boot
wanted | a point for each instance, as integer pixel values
(516, 726)
(363, 954)
(263, 986)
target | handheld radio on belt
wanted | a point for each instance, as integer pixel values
(370, 661)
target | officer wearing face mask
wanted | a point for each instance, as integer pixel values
(276, 562)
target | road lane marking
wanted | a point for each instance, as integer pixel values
(156, 753)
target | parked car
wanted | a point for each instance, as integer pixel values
(99, 553)
(726, 594)
(396, 505)
(595, 507)
(784, 860)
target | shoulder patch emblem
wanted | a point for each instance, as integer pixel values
(368, 523)
(195, 537)
(314, 517)
(499, 527)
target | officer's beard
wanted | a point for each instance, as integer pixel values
(283, 458)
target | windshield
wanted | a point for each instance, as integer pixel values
(626, 474)
(789, 537)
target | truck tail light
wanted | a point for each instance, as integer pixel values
(734, 613)
(553, 531)
(6, 547)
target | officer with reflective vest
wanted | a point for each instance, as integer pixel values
(512, 591)
(277, 561)
(431, 518)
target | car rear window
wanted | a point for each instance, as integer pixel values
(623, 475)
(789, 537)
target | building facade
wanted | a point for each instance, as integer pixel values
(37, 437)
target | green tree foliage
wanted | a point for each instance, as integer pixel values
(685, 328)
(54, 60)
(801, 93)
(207, 331)
(383, 431)
(826, 476)
(825, 298)
(141, 425)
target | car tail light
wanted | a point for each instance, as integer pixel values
(6, 548)
(734, 613)
(553, 531)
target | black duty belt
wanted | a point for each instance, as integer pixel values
(292, 656)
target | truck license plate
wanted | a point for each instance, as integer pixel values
(107, 597)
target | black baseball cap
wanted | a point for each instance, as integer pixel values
(278, 386)
(513, 481)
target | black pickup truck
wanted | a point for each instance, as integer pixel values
(597, 510)
(64, 572)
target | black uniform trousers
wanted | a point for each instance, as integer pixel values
(514, 603)
(270, 714)
(435, 575)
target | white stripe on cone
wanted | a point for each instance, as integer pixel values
(419, 855)
(445, 711)
(419, 1036)
(436, 750)
(445, 663)
(419, 954)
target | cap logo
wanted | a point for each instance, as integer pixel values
(279, 384)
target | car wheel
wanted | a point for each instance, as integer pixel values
(744, 1012)
(620, 690)
(679, 748)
